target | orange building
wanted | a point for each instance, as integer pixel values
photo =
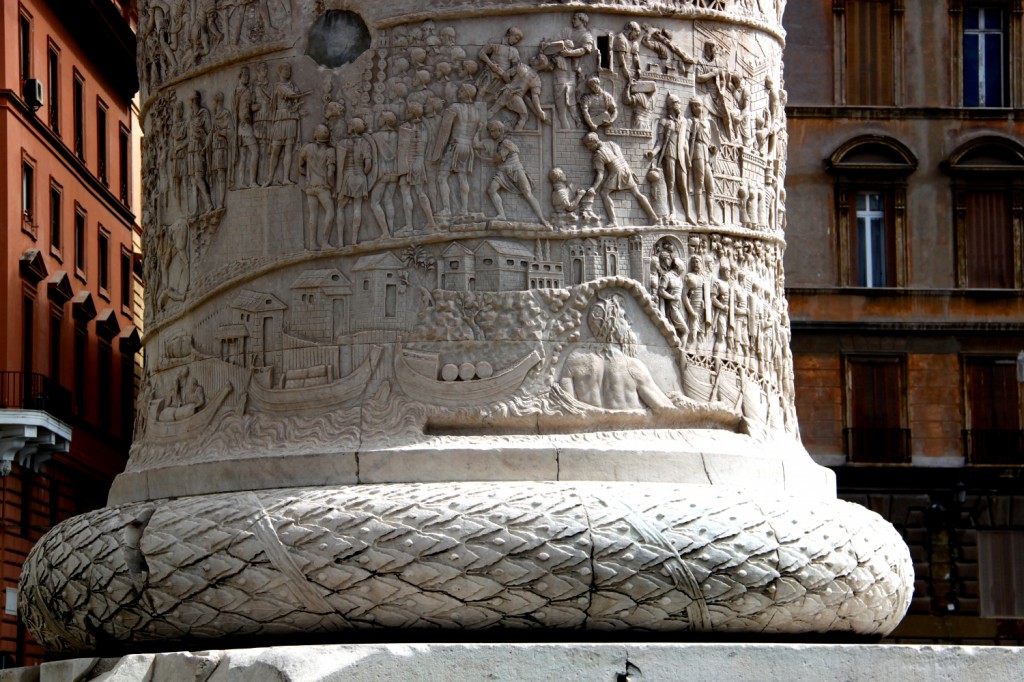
(68, 283)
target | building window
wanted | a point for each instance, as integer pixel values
(985, 69)
(24, 47)
(78, 97)
(1001, 573)
(101, 141)
(28, 195)
(56, 207)
(868, 51)
(53, 87)
(55, 349)
(871, 218)
(126, 281)
(992, 419)
(103, 253)
(872, 241)
(123, 155)
(988, 188)
(80, 242)
(875, 410)
(28, 323)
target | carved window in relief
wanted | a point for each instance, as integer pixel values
(988, 190)
(868, 64)
(992, 415)
(875, 428)
(871, 218)
(985, 65)
(1001, 573)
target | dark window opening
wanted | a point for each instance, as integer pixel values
(101, 142)
(55, 218)
(869, 52)
(985, 57)
(78, 102)
(24, 47)
(337, 38)
(80, 242)
(53, 89)
(875, 397)
(104, 260)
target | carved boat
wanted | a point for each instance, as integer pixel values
(429, 389)
(187, 427)
(319, 399)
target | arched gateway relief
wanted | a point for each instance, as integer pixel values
(423, 208)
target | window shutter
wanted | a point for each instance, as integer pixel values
(869, 72)
(989, 238)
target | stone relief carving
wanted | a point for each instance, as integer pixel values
(695, 141)
(378, 235)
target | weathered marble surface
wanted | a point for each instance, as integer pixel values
(584, 556)
(535, 662)
(464, 315)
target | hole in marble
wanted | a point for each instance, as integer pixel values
(337, 38)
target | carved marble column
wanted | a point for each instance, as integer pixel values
(464, 316)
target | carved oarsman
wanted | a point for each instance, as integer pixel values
(672, 154)
(411, 165)
(355, 163)
(598, 105)
(246, 147)
(498, 60)
(198, 148)
(697, 301)
(382, 195)
(457, 140)
(566, 56)
(702, 149)
(318, 164)
(612, 174)
(510, 175)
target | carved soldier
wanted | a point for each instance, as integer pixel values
(565, 198)
(566, 56)
(382, 194)
(612, 174)
(220, 138)
(318, 164)
(741, 313)
(722, 304)
(198, 147)
(523, 87)
(355, 163)
(411, 165)
(498, 60)
(285, 131)
(457, 140)
(179, 154)
(697, 301)
(672, 154)
(702, 149)
(246, 147)
(262, 111)
(598, 105)
(510, 175)
(670, 291)
(639, 97)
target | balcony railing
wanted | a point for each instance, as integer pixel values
(19, 390)
(994, 446)
(877, 445)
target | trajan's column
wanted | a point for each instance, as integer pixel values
(464, 314)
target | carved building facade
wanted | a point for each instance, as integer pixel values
(905, 286)
(70, 297)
